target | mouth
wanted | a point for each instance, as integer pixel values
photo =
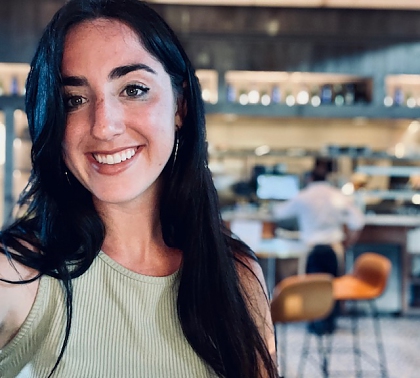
(115, 158)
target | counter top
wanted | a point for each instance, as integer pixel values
(392, 220)
(371, 219)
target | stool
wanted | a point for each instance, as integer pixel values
(299, 298)
(366, 282)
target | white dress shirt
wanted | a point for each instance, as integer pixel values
(321, 211)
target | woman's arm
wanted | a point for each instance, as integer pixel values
(15, 300)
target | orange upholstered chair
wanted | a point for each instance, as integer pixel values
(366, 282)
(300, 298)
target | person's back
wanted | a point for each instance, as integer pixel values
(322, 210)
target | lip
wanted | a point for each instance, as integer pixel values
(114, 151)
(114, 169)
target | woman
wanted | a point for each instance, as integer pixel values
(120, 265)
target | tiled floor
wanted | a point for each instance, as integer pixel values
(401, 336)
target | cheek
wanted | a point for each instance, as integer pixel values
(159, 126)
(70, 143)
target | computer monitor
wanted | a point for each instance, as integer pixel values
(277, 187)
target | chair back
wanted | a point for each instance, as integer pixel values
(305, 297)
(374, 270)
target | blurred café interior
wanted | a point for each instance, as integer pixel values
(285, 83)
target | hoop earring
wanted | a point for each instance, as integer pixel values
(67, 177)
(176, 149)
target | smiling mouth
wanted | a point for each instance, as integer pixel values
(118, 157)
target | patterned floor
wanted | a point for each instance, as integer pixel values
(401, 336)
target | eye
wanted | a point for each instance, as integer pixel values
(135, 90)
(73, 102)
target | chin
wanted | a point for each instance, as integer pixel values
(122, 195)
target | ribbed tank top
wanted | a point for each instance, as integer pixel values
(124, 325)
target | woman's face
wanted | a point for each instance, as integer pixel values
(121, 112)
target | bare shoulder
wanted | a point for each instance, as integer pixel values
(16, 300)
(250, 275)
(253, 287)
(255, 292)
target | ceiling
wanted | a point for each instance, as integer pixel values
(367, 4)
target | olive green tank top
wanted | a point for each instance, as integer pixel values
(124, 325)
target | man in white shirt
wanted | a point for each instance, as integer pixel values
(322, 212)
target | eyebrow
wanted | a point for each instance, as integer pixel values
(116, 73)
(124, 70)
(74, 81)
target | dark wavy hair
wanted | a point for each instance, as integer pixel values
(61, 222)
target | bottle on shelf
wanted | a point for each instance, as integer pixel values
(338, 95)
(326, 94)
(230, 93)
(276, 94)
(349, 95)
(14, 87)
(399, 96)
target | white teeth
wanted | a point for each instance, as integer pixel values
(115, 158)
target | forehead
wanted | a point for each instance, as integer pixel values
(104, 41)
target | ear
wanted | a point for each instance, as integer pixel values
(180, 112)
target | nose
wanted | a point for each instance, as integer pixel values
(107, 120)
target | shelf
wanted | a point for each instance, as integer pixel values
(388, 194)
(301, 153)
(12, 78)
(292, 94)
(301, 88)
(209, 81)
(403, 90)
(322, 111)
(395, 171)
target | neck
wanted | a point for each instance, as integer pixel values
(134, 238)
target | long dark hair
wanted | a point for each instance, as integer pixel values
(60, 220)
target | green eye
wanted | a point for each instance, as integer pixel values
(135, 90)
